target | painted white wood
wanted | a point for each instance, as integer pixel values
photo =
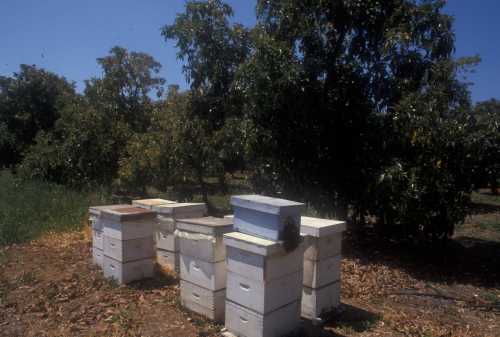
(264, 216)
(263, 268)
(131, 214)
(321, 227)
(264, 297)
(208, 275)
(167, 241)
(168, 259)
(164, 223)
(149, 203)
(320, 301)
(210, 249)
(321, 272)
(127, 272)
(97, 256)
(205, 302)
(98, 239)
(253, 244)
(182, 209)
(246, 323)
(95, 214)
(129, 250)
(206, 225)
(319, 248)
(128, 230)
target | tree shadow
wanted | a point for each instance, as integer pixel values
(465, 260)
(348, 318)
(160, 279)
(483, 208)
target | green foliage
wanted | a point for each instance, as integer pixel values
(30, 101)
(92, 133)
(487, 136)
(30, 208)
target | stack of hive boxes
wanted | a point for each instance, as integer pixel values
(97, 231)
(203, 265)
(322, 258)
(167, 246)
(128, 243)
(264, 267)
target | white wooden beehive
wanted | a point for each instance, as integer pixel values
(324, 237)
(128, 250)
(263, 216)
(168, 259)
(205, 302)
(95, 214)
(202, 237)
(128, 223)
(181, 210)
(319, 301)
(150, 203)
(241, 321)
(129, 271)
(208, 275)
(166, 241)
(260, 259)
(97, 256)
(321, 272)
(264, 297)
(98, 239)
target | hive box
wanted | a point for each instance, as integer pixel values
(129, 271)
(168, 259)
(320, 301)
(265, 217)
(264, 284)
(201, 238)
(203, 301)
(97, 239)
(95, 213)
(181, 210)
(241, 321)
(322, 266)
(128, 250)
(260, 259)
(98, 256)
(128, 223)
(203, 265)
(149, 203)
(128, 243)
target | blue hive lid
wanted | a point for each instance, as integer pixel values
(264, 204)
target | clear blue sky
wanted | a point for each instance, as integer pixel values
(66, 36)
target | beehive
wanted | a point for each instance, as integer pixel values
(202, 264)
(322, 266)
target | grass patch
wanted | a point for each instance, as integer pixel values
(31, 208)
(485, 198)
(493, 225)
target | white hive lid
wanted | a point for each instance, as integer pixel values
(96, 210)
(264, 204)
(130, 213)
(180, 208)
(149, 203)
(320, 227)
(254, 244)
(206, 225)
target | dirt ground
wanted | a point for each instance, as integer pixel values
(49, 287)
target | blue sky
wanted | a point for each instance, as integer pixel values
(66, 36)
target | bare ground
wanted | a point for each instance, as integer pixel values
(49, 287)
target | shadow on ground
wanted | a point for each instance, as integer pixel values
(464, 259)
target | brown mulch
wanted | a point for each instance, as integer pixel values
(49, 287)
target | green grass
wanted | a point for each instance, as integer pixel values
(31, 208)
(486, 198)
